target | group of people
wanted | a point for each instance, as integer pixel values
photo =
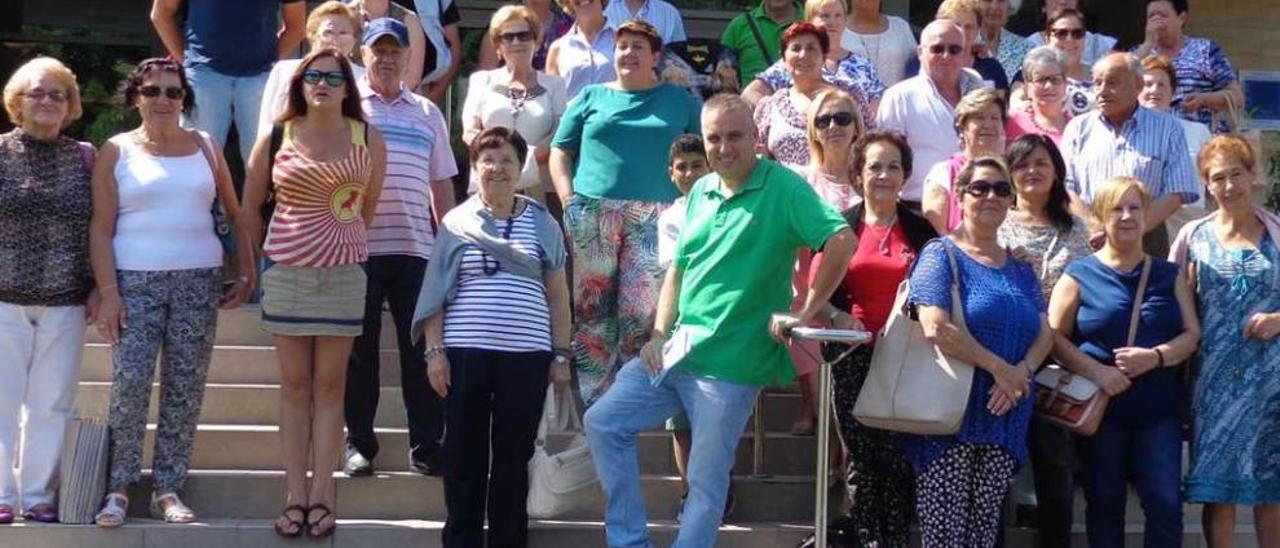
(644, 244)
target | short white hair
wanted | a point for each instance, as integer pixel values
(1041, 56)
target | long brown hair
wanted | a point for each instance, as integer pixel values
(297, 104)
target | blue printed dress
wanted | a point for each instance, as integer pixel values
(1235, 449)
(1002, 311)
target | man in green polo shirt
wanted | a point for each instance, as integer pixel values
(723, 315)
(756, 36)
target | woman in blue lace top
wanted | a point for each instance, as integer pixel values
(963, 478)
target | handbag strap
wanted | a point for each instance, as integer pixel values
(755, 31)
(1048, 254)
(957, 305)
(550, 413)
(1134, 315)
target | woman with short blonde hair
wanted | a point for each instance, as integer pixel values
(332, 24)
(980, 119)
(45, 283)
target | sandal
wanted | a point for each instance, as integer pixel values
(113, 512)
(177, 512)
(298, 524)
(43, 513)
(313, 523)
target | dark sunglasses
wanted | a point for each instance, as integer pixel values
(331, 79)
(939, 49)
(979, 189)
(842, 119)
(151, 92)
(518, 36)
(1063, 34)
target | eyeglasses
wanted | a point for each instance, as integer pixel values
(518, 36)
(1049, 80)
(38, 95)
(171, 92)
(979, 189)
(1063, 34)
(952, 49)
(842, 119)
(332, 79)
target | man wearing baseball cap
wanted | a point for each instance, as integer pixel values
(417, 188)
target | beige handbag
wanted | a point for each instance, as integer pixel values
(1073, 401)
(912, 386)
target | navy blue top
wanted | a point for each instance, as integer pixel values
(1002, 311)
(1102, 325)
(233, 37)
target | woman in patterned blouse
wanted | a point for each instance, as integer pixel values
(1206, 79)
(781, 120)
(44, 280)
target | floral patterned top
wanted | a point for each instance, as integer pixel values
(781, 130)
(854, 75)
(840, 196)
(1046, 249)
(45, 204)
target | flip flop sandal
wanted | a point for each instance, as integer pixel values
(300, 524)
(313, 523)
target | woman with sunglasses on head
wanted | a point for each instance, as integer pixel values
(326, 178)
(158, 266)
(962, 479)
(497, 326)
(46, 287)
(517, 96)
(980, 121)
(1140, 437)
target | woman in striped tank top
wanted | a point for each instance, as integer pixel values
(326, 177)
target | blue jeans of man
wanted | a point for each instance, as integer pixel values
(718, 413)
(221, 98)
(1150, 455)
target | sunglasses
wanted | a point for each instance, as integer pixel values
(332, 79)
(1063, 34)
(38, 95)
(952, 49)
(842, 119)
(979, 189)
(518, 36)
(170, 92)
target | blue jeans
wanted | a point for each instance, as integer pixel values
(221, 98)
(718, 413)
(1152, 456)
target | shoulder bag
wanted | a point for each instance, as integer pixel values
(566, 481)
(912, 386)
(1072, 401)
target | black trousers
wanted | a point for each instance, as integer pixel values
(494, 403)
(1055, 460)
(395, 279)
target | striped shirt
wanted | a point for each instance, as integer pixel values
(418, 152)
(1149, 147)
(500, 311)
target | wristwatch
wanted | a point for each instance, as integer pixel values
(559, 359)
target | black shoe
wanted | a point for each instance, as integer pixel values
(429, 465)
(356, 465)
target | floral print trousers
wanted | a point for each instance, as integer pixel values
(616, 280)
(173, 313)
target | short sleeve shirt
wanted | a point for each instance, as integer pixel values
(659, 13)
(739, 38)
(1149, 147)
(233, 37)
(1201, 66)
(737, 254)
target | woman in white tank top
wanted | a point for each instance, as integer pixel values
(158, 268)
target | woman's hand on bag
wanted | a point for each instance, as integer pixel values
(1111, 380)
(111, 316)
(1135, 362)
(438, 374)
(559, 376)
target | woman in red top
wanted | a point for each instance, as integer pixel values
(889, 236)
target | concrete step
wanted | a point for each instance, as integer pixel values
(358, 533)
(231, 364)
(257, 447)
(243, 327)
(217, 494)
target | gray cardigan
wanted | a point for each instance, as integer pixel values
(470, 223)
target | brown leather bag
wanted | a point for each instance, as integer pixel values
(1073, 401)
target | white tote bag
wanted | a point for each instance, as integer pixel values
(565, 481)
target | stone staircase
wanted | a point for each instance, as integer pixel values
(236, 482)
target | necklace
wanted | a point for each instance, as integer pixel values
(506, 235)
(518, 98)
(883, 246)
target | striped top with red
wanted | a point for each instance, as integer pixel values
(317, 221)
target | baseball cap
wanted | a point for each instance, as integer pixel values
(385, 26)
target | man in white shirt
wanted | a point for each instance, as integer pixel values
(922, 107)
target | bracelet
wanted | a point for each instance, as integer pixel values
(1160, 357)
(432, 352)
(563, 351)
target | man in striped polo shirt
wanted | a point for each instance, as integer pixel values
(1124, 139)
(417, 186)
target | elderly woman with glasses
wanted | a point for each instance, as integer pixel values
(45, 283)
(1043, 110)
(980, 122)
(158, 266)
(332, 24)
